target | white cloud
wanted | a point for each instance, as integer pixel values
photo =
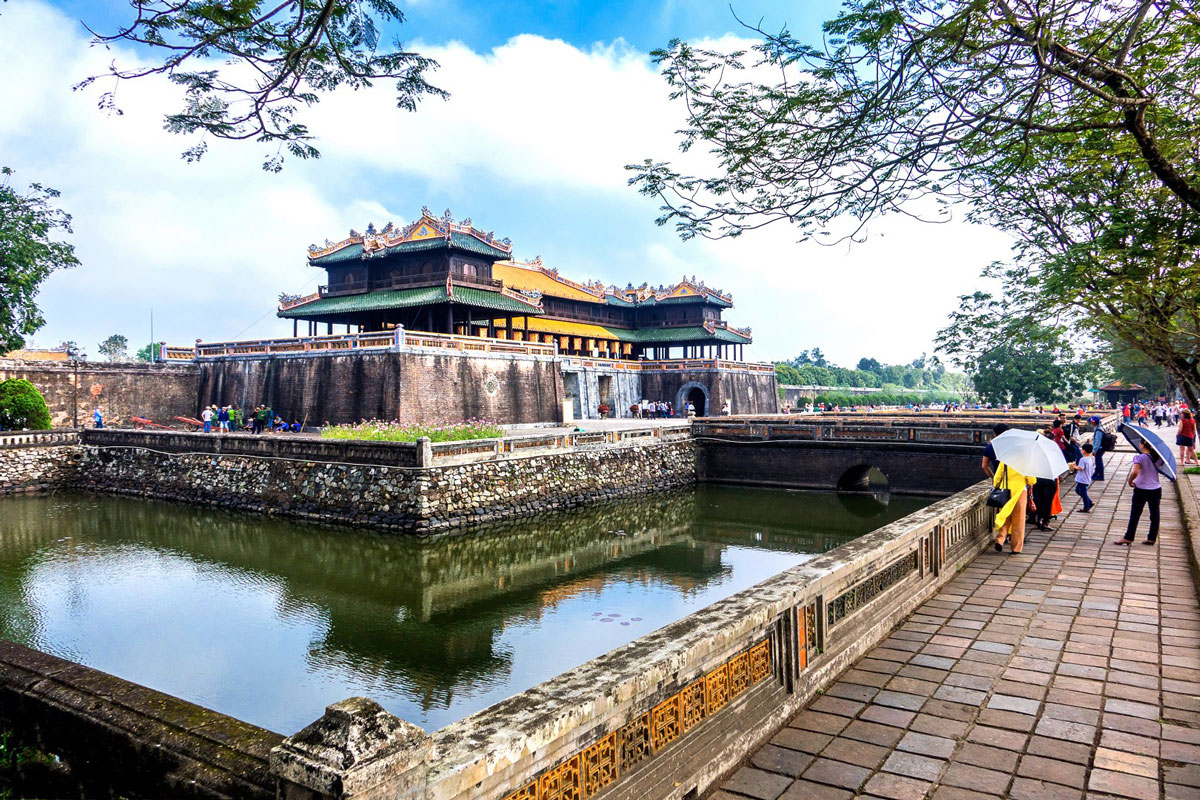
(209, 246)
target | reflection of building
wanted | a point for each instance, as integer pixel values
(441, 276)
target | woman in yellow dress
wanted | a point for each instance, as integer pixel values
(1010, 520)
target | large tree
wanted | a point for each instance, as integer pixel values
(245, 67)
(1072, 125)
(29, 221)
(911, 98)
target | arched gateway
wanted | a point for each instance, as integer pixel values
(697, 393)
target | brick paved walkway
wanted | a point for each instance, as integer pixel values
(1070, 670)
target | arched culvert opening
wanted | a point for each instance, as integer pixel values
(863, 478)
(697, 398)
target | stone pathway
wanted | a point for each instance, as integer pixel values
(1069, 671)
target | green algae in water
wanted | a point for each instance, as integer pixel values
(270, 621)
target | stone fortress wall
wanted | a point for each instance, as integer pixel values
(416, 384)
(73, 389)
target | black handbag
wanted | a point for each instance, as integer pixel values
(998, 497)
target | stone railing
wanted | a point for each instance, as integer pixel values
(922, 427)
(421, 453)
(277, 446)
(396, 340)
(666, 715)
(117, 735)
(670, 365)
(13, 439)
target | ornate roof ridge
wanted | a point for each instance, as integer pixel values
(594, 288)
(374, 240)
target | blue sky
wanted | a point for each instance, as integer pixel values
(548, 102)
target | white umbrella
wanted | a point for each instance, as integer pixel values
(1030, 454)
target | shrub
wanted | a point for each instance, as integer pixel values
(22, 406)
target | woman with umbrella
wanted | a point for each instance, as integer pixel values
(1024, 457)
(1153, 456)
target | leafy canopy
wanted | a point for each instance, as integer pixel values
(114, 348)
(909, 99)
(28, 254)
(22, 406)
(276, 56)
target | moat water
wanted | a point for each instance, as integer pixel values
(270, 621)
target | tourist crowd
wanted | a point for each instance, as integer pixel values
(228, 419)
(1083, 444)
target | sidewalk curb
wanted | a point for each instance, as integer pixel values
(1190, 506)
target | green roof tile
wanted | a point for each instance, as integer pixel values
(352, 252)
(694, 333)
(406, 298)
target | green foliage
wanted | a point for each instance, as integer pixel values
(15, 757)
(22, 406)
(376, 431)
(1011, 357)
(28, 254)
(275, 57)
(925, 374)
(114, 348)
(1070, 125)
(145, 354)
(910, 98)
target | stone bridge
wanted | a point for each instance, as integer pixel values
(908, 454)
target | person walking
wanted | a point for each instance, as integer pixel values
(990, 463)
(1010, 520)
(1185, 438)
(98, 417)
(1084, 470)
(1098, 448)
(1147, 491)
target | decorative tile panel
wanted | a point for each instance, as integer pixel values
(635, 742)
(802, 636)
(589, 771)
(760, 661)
(691, 705)
(739, 674)
(864, 592)
(665, 722)
(716, 689)
(526, 792)
(563, 782)
(599, 765)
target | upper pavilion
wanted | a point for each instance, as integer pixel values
(441, 276)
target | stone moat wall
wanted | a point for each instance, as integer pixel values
(362, 484)
(662, 717)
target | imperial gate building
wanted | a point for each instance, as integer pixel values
(437, 322)
(440, 276)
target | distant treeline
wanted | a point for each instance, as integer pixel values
(897, 381)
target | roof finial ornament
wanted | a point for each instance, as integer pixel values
(425, 212)
(466, 223)
(355, 234)
(370, 229)
(447, 217)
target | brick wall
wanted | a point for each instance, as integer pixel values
(73, 389)
(408, 386)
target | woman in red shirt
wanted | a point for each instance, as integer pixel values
(1186, 439)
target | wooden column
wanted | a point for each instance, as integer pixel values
(295, 328)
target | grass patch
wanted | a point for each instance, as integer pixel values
(376, 431)
(1191, 471)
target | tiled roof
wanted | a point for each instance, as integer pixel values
(351, 252)
(407, 298)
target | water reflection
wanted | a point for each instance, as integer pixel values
(269, 621)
